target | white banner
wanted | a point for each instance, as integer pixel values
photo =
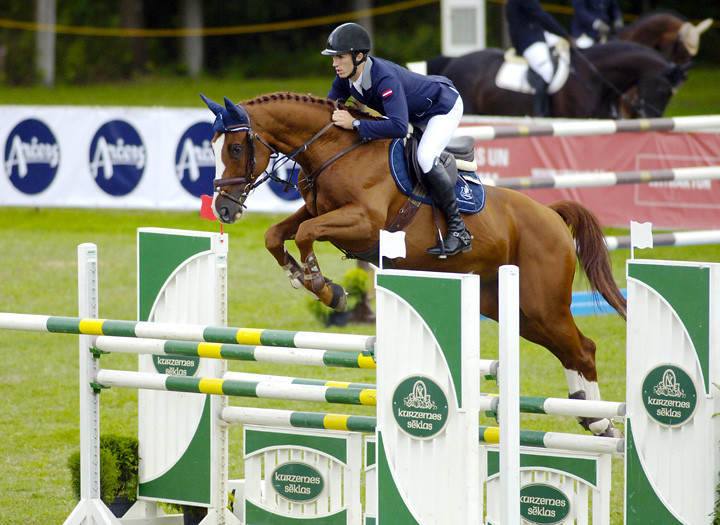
(116, 157)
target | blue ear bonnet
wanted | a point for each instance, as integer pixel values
(228, 118)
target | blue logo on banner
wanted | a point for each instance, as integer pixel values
(195, 161)
(117, 158)
(32, 156)
(288, 171)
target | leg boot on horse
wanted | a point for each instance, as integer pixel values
(541, 102)
(441, 190)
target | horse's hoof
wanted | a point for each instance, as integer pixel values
(339, 298)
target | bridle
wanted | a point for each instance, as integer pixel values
(251, 181)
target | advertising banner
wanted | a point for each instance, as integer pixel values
(668, 205)
(115, 157)
(160, 158)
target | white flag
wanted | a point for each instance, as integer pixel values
(641, 234)
(392, 244)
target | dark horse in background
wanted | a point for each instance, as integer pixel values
(350, 197)
(667, 32)
(598, 76)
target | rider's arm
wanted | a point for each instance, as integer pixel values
(395, 109)
(582, 14)
(548, 22)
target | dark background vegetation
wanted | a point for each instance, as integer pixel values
(401, 36)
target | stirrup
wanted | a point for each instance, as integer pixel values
(462, 240)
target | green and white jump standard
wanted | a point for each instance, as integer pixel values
(673, 376)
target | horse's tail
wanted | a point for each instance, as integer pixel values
(592, 252)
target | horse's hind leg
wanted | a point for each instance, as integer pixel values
(559, 334)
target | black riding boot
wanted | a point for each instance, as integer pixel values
(441, 190)
(541, 102)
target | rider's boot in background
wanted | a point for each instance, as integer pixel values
(541, 102)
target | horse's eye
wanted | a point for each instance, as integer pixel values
(235, 150)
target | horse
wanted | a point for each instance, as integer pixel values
(598, 76)
(349, 196)
(672, 35)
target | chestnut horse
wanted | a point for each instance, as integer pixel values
(672, 35)
(350, 196)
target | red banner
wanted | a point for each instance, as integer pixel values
(668, 205)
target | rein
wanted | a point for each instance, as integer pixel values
(251, 182)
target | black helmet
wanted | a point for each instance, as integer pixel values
(348, 38)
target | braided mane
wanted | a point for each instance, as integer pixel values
(307, 99)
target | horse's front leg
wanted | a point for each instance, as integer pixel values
(350, 223)
(275, 238)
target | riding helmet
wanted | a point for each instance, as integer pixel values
(348, 38)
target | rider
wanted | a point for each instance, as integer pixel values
(527, 23)
(594, 20)
(403, 97)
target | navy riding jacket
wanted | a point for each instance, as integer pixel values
(585, 12)
(527, 22)
(398, 94)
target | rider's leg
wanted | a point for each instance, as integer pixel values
(441, 190)
(437, 134)
(539, 76)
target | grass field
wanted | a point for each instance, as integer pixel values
(38, 247)
(39, 380)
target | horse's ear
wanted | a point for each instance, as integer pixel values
(214, 106)
(238, 115)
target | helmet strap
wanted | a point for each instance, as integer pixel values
(357, 62)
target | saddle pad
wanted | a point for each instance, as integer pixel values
(470, 194)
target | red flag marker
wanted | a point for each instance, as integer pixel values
(206, 211)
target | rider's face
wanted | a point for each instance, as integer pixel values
(343, 65)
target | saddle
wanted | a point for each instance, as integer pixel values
(458, 156)
(512, 74)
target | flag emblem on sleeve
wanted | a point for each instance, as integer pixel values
(386, 93)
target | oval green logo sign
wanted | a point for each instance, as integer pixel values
(176, 366)
(297, 482)
(545, 504)
(669, 395)
(420, 407)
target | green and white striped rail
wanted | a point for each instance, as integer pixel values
(530, 438)
(591, 127)
(555, 406)
(187, 332)
(250, 376)
(230, 387)
(262, 354)
(298, 419)
(576, 442)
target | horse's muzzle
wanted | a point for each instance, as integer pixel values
(226, 209)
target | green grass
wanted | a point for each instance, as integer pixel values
(39, 379)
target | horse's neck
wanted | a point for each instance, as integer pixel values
(626, 68)
(289, 125)
(653, 31)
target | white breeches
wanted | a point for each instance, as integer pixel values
(438, 132)
(538, 58)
